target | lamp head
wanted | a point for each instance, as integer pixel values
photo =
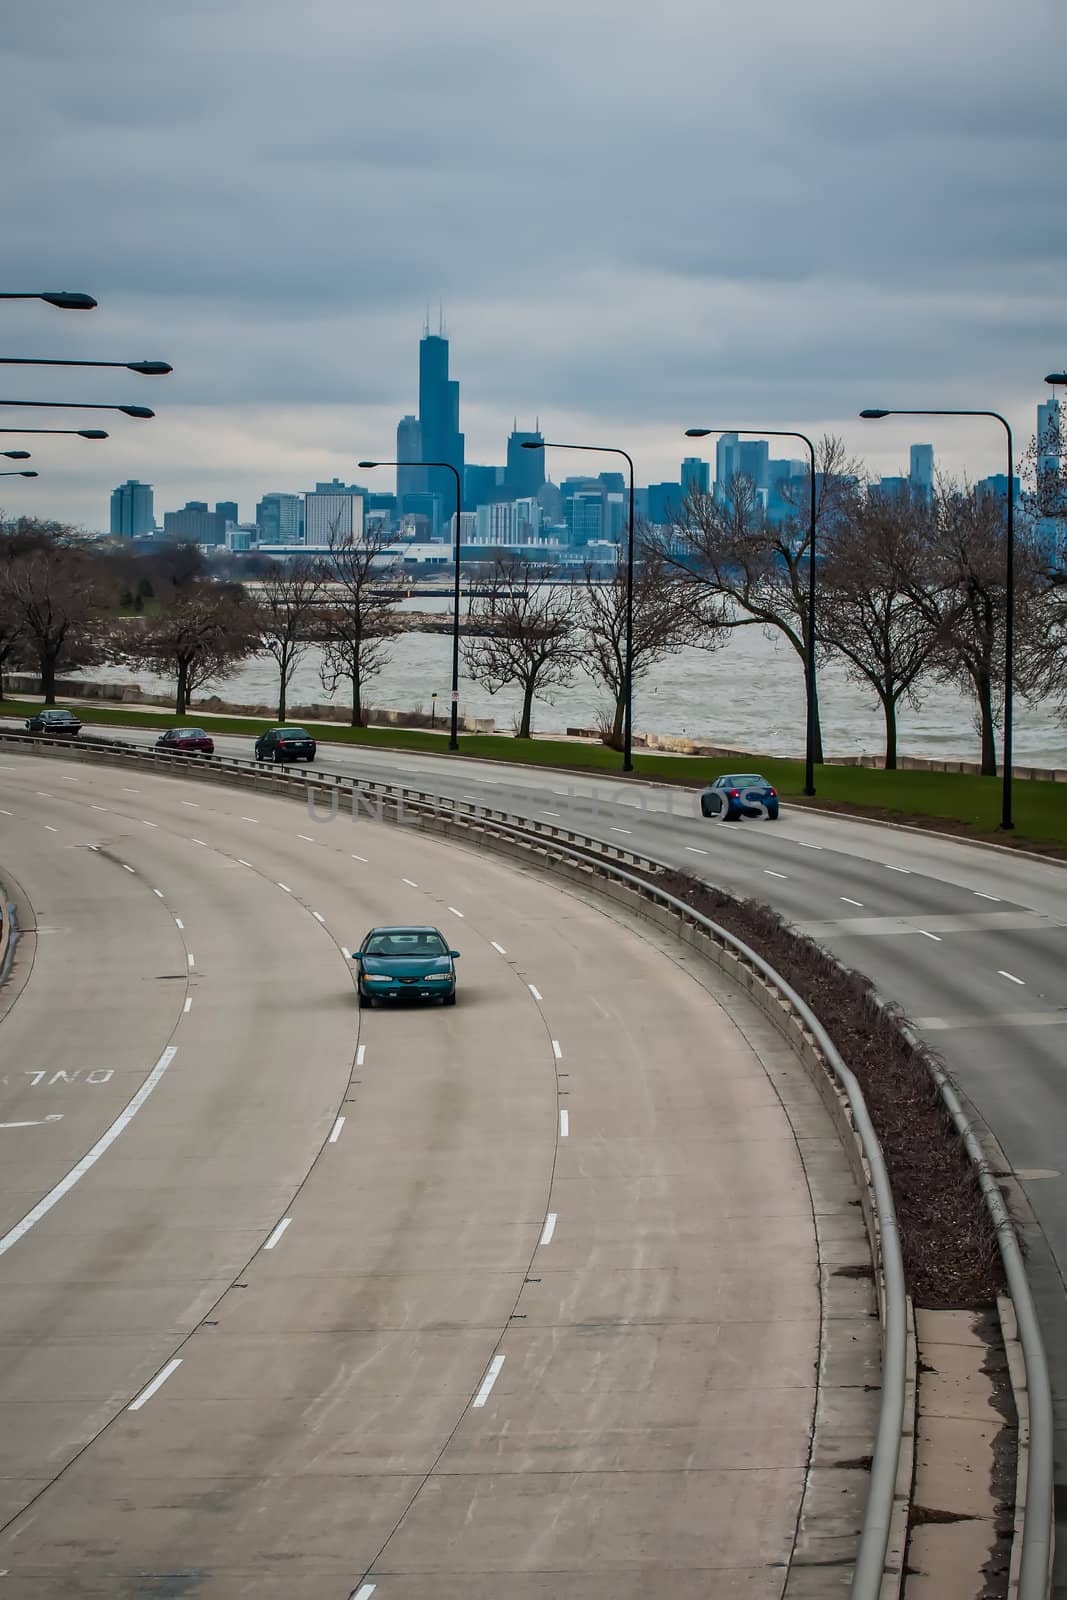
(367, 463)
(27, 474)
(697, 433)
(69, 302)
(17, 455)
(90, 433)
(533, 444)
(872, 414)
(1056, 377)
(150, 369)
(136, 411)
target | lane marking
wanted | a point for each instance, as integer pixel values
(149, 824)
(488, 1381)
(498, 947)
(125, 868)
(105, 1141)
(849, 902)
(306, 837)
(318, 916)
(982, 896)
(276, 1235)
(64, 779)
(188, 1006)
(410, 882)
(890, 868)
(335, 1131)
(364, 1591)
(564, 1124)
(549, 1228)
(454, 912)
(91, 847)
(42, 794)
(4, 813)
(535, 992)
(285, 886)
(693, 850)
(194, 804)
(769, 874)
(360, 1054)
(96, 808)
(50, 829)
(620, 830)
(157, 1383)
(804, 846)
(249, 819)
(935, 936)
(203, 842)
(53, 1116)
(556, 1051)
(359, 858)
(130, 791)
(241, 862)
(346, 953)
(159, 892)
(179, 923)
(550, 813)
(1002, 974)
(189, 958)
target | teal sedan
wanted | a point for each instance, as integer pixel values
(406, 964)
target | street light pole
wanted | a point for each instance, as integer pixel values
(453, 733)
(18, 474)
(810, 681)
(57, 297)
(628, 648)
(78, 405)
(79, 433)
(875, 414)
(147, 369)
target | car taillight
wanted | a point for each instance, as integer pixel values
(735, 794)
(774, 794)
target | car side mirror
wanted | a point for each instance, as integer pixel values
(454, 954)
(357, 955)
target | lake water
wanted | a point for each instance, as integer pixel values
(749, 694)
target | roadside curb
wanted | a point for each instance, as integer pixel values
(9, 933)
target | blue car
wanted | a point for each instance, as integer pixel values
(736, 795)
(406, 964)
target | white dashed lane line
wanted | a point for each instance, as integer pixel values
(769, 874)
(249, 819)
(335, 1131)
(178, 922)
(190, 959)
(695, 850)
(50, 829)
(556, 1051)
(157, 1383)
(620, 830)
(194, 805)
(564, 1124)
(890, 868)
(284, 886)
(306, 837)
(126, 868)
(488, 1381)
(534, 991)
(361, 1055)
(849, 902)
(982, 896)
(549, 1228)
(499, 948)
(935, 936)
(410, 883)
(359, 858)
(276, 1235)
(318, 916)
(1011, 977)
(188, 1006)
(455, 913)
(159, 892)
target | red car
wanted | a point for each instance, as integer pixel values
(189, 741)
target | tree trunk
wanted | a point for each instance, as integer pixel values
(48, 679)
(357, 699)
(617, 721)
(283, 686)
(527, 708)
(889, 707)
(984, 691)
(181, 697)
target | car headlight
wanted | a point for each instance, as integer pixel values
(377, 977)
(438, 977)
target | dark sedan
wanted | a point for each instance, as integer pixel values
(285, 744)
(52, 720)
(406, 964)
(188, 741)
(739, 794)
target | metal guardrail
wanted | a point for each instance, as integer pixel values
(608, 858)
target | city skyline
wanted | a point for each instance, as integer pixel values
(864, 210)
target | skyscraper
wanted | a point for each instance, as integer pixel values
(409, 480)
(439, 416)
(727, 464)
(921, 470)
(227, 509)
(280, 518)
(526, 468)
(1049, 439)
(696, 475)
(132, 510)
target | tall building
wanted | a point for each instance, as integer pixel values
(1050, 440)
(409, 479)
(227, 509)
(280, 518)
(331, 514)
(439, 417)
(696, 475)
(132, 509)
(663, 502)
(195, 523)
(508, 522)
(754, 463)
(921, 470)
(483, 485)
(727, 464)
(526, 468)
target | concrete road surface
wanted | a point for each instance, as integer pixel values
(519, 1298)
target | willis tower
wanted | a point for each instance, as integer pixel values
(439, 420)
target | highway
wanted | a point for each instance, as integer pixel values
(518, 1298)
(970, 941)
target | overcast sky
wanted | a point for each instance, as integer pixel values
(637, 218)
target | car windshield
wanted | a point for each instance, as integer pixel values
(746, 779)
(409, 942)
(191, 733)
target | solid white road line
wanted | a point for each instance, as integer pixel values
(620, 830)
(498, 947)
(695, 851)
(556, 1051)
(1002, 974)
(769, 874)
(890, 868)
(849, 902)
(188, 1006)
(105, 1141)
(276, 1235)
(535, 992)
(982, 896)
(549, 1228)
(564, 1124)
(360, 1054)
(488, 1381)
(157, 1383)
(454, 912)
(335, 1131)
(935, 936)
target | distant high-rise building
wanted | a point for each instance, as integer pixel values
(664, 502)
(1050, 440)
(483, 485)
(508, 522)
(754, 462)
(195, 524)
(995, 487)
(409, 479)
(439, 417)
(921, 470)
(331, 514)
(891, 487)
(132, 509)
(526, 468)
(227, 509)
(280, 518)
(696, 475)
(727, 464)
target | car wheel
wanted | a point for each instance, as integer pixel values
(449, 999)
(364, 1000)
(278, 758)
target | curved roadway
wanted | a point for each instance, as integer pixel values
(971, 941)
(517, 1298)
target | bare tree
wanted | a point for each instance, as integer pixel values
(728, 547)
(288, 618)
(666, 616)
(204, 631)
(867, 607)
(358, 620)
(55, 596)
(531, 633)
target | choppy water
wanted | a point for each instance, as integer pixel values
(749, 694)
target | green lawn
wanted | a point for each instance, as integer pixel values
(969, 803)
